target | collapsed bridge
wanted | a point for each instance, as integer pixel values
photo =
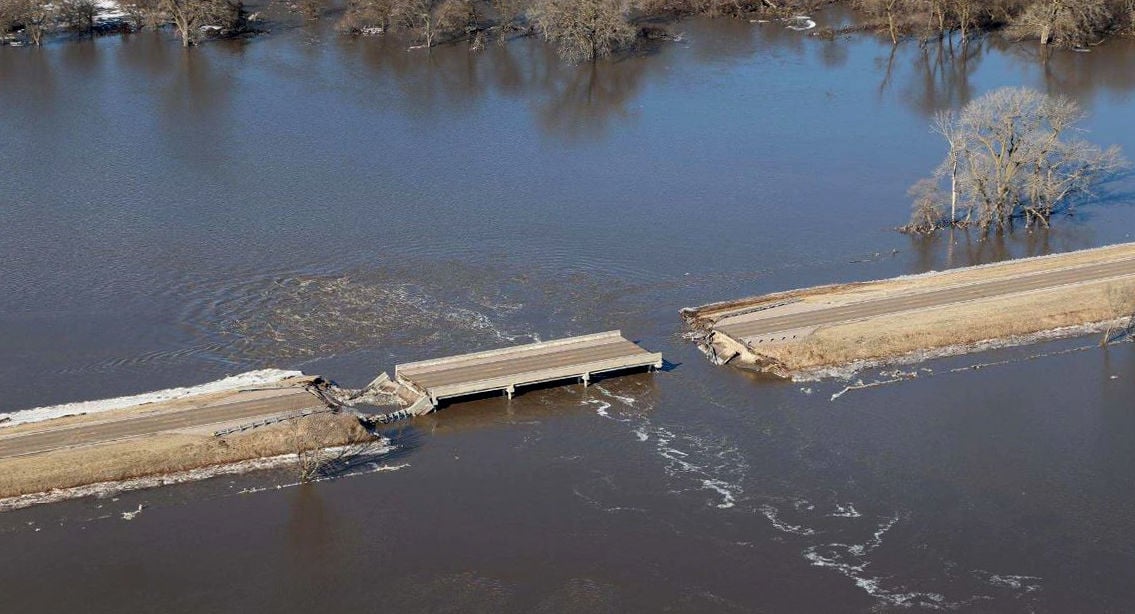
(573, 358)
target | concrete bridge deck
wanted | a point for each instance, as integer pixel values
(505, 369)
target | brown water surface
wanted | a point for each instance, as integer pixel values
(309, 201)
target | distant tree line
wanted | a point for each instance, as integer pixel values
(584, 30)
(193, 20)
(1059, 23)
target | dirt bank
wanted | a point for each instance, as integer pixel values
(168, 453)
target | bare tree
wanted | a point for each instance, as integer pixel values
(9, 16)
(456, 18)
(79, 15)
(1064, 23)
(310, 9)
(1122, 301)
(945, 124)
(367, 16)
(314, 459)
(510, 15)
(192, 17)
(966, 15)
(926, 208)
(1010, 158)
(34, 16)
(144, 13)
(416, 16)
(584, 30)
(888, 12)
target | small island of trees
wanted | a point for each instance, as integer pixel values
(1012, 157)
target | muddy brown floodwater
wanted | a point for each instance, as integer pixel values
(308, 201)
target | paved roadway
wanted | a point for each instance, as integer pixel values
(80, 434)
(524, 360)
(765, 322)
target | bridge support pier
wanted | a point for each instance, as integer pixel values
(586, 377)
(510, 391)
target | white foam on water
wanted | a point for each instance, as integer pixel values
(773, 516)
(627, 400)
(133, 514)
(851, 561)
(263, 378)
(723, 489)
(715, 466)
(848, 511)
(610, 509)
(601, 409)
(1024, 584)
(710, 465)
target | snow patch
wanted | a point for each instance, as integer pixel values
(108, 10)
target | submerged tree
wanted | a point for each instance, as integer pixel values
(584, 30)
(1010, 157)
(191, 18)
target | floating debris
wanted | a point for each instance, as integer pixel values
(800, 23)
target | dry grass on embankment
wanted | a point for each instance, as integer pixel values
(958, 326)
(168, 453)
(835, 294)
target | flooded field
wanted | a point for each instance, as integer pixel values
(306, 201)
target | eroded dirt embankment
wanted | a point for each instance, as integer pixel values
(231, 425)
(192, 456)
(1068, 307)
